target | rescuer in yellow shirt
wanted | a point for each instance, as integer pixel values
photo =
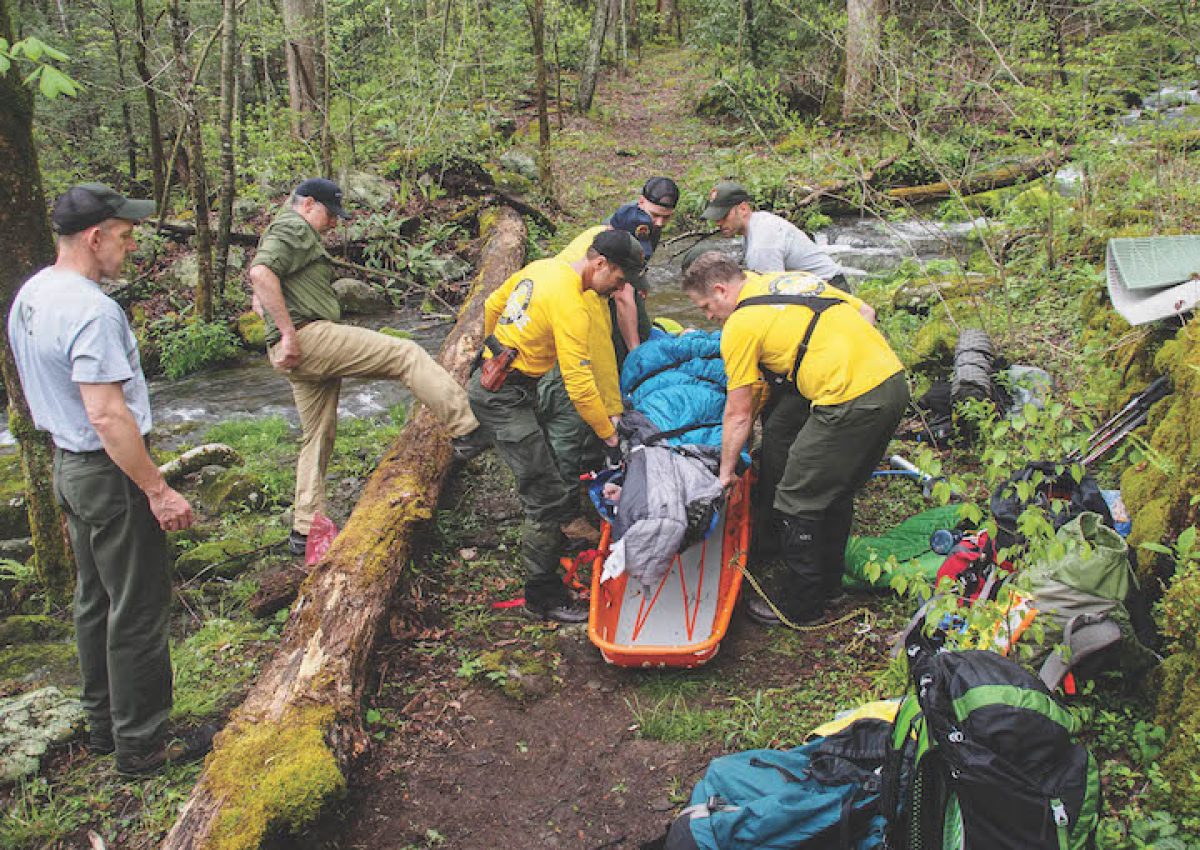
(541, 314)
(839, 393)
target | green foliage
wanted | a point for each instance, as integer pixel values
(194, 345)
(212, 665)
(51, 81)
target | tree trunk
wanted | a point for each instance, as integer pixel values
(139, 60)
(26, 245)
(326, 130)
(747, 37)
(985, 181)
(668, 13)
(301, 24)
(190, 121)
(537, 23)
(864, 26)
(300, 729)
(229, 63)
(123, 86)
(591, 63)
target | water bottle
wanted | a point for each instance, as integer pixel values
(943, 541)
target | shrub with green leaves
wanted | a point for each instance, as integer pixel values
(195, 345)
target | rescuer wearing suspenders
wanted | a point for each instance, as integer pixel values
(841, 392)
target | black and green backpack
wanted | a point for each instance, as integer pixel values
(982, 758)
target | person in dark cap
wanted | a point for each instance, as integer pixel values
(79, 366)
(539, 318)
(575, 446)
(292, 276)
(773, 244)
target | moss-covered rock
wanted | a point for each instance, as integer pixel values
(51, 663)
(933, 343)
(216, 558)
(251, 331)
(31, 628)
(233, 489)
(1179, 711)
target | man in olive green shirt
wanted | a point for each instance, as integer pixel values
(292, 275)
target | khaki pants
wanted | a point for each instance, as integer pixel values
(330, 352)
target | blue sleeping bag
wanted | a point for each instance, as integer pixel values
(678, 382)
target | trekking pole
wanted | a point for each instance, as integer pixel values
(1097, 452)
(926, 480)
(1134, 409)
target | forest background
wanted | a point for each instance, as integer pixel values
(823, 109)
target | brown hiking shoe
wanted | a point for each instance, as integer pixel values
(178, 750)
(580, 529)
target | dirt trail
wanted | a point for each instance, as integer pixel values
(641, 124)
(497, 733)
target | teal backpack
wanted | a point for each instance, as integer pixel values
(982, 758)
(821, 796)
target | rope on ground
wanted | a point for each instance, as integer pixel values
(867, 614)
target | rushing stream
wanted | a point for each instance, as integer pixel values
(250, 388)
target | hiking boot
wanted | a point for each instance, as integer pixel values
(570, 611)
(297, 543)
(100, 742)
(762, 613)
(582, 530)
(470, 445)
(179, 750)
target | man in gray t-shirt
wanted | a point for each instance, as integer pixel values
(79, 367)
(773, 244)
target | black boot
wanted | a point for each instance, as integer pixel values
(835, 534)
(803, 599)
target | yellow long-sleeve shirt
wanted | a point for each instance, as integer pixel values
(542, 312)
(604, 356)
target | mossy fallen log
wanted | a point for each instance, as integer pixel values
(210, 454)
(984, 181)
(285, 752)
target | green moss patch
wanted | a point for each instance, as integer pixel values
(32, 628)
(219, 558)
(279, 776)
(53, 663)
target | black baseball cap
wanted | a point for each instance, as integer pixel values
(621, 249)
(661, 191)
(89, 204)
(633, 219)
(724, 197)
(325, 191)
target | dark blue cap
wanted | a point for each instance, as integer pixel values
(633, 219)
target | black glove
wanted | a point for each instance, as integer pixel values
(613, 456)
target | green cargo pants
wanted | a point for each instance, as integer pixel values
(575, 445)
(831, 457)
(122, 600)
(510, 414)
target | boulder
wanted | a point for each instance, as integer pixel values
(32, 628)
(357, 296)
(30, 725)
(367, 190)
(17, 549)
(520, 162)
(232, 490)
(215, 559)
(185, 271)
(245, 209)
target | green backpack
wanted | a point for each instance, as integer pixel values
(982, 758)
